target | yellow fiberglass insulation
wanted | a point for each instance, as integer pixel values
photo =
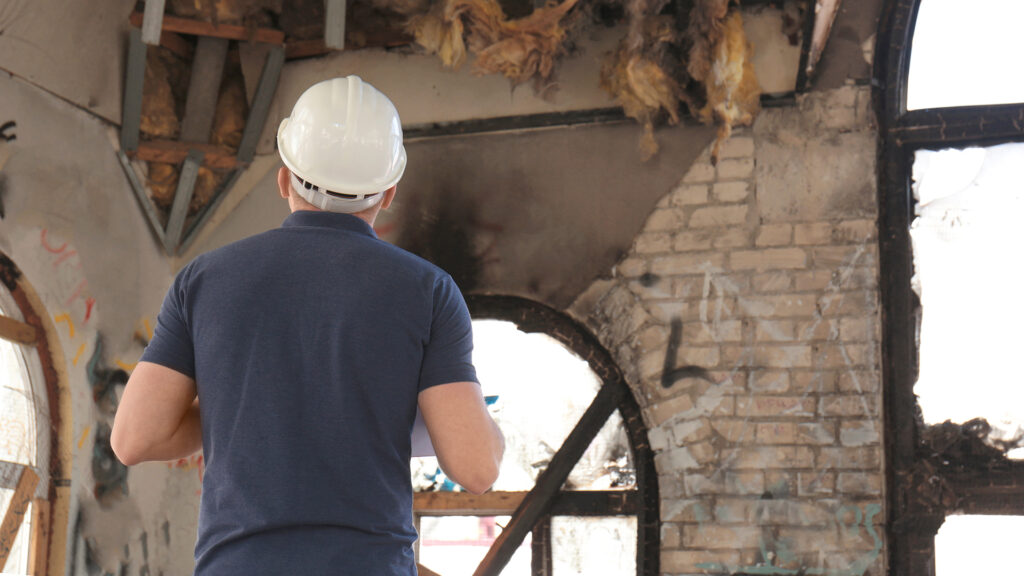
(518, 49)
(641, 74)
(733, 93)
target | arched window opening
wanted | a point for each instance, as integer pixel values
(966, 54)
(952, 134)
(25, 434)
(600, 515)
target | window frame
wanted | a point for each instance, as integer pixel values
(922, 491)
(641, 502)
(49, 514)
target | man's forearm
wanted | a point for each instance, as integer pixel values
(186, 440)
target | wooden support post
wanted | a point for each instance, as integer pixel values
(203, 89)
(135, 73)
(152, 22)
(16, 511)
(15, 331)
(261, 104)
(334, 24)
(140, 194)
(182, 198)
(539, 500)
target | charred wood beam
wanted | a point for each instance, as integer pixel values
(961, 126)
(803, 72)
(540, 548)
(596, 116)
(566, 503)
(539, 500)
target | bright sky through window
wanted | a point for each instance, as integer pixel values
(966, 53)
(967, 241)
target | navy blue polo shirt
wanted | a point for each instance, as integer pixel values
(309, 344)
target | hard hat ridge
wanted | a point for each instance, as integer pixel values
(343, 145)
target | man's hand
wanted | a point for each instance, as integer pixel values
(468, 443)
(158, 416)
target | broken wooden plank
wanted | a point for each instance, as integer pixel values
(537, 503)
(174, 152)
(261, 104)
(16, 331)
(182, 199)
(16, 510)
(152, 22)
(466, 504)
(227, 31)
(203, 89)
(613, 502)
(135, 73)
(334, 24)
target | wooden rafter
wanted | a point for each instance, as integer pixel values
(200, 28)
(174, 152)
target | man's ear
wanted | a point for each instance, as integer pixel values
(389, 197)
(284, 182)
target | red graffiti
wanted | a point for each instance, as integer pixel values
(46, 245)
(89, 303)
(76, 294)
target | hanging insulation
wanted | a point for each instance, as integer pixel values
(518, 49)
(641, 75)
(733, 94)
(720, 60)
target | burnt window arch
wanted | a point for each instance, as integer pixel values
(531, 511)
(32, 476)
(934, 471)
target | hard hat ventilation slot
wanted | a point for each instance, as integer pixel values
(311, 186)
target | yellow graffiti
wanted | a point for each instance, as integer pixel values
(149, 328)
(85, 434)
(66, 318)
(74, 361)
(126, 367)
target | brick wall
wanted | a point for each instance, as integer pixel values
(767, 265)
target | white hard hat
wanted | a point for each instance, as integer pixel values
(343, 145)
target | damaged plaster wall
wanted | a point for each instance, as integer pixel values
(767, 267)
(72, 225)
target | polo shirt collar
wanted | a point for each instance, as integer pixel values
(337, 221)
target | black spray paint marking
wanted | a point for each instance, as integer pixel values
(7, 131)
(670, 374)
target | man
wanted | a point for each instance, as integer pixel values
(296, 360)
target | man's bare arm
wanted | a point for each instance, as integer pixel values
(467, 441)
(158, 416)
